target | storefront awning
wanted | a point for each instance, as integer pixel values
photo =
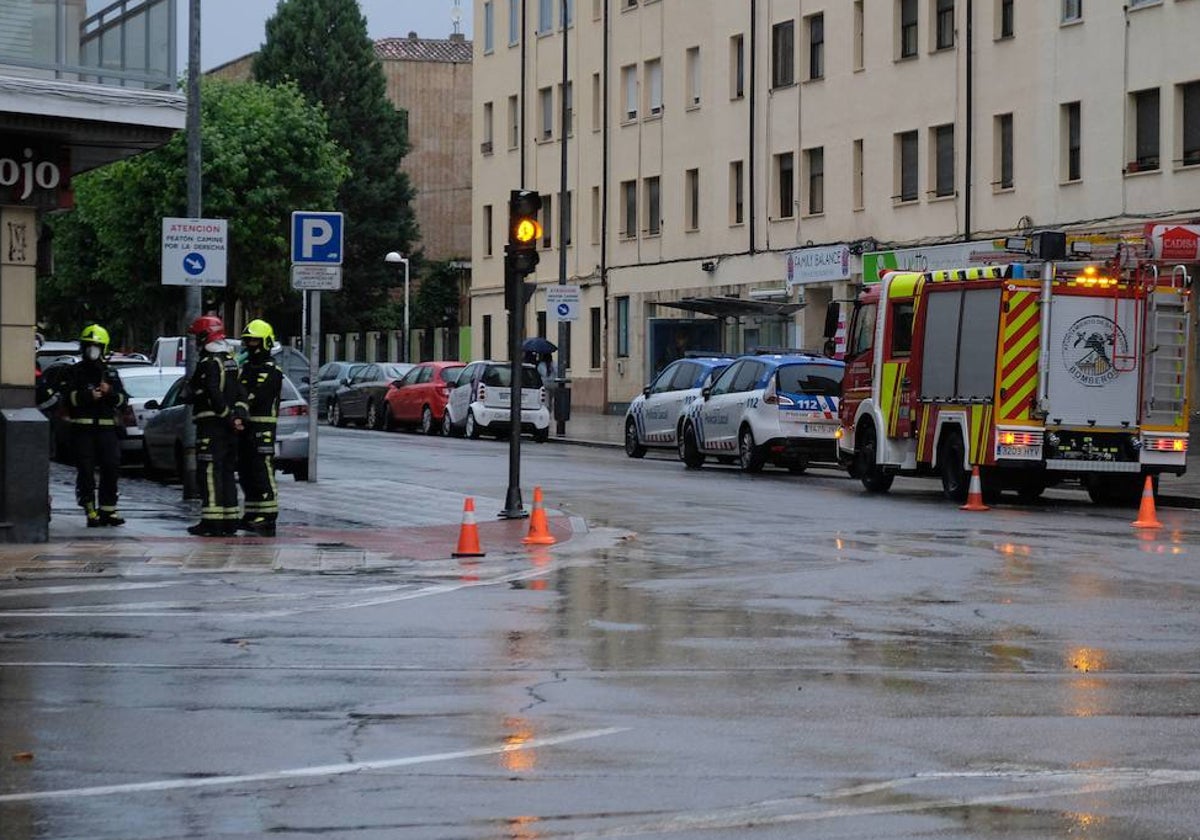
(732, 307)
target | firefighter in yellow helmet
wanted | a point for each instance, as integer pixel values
(262, 383)
(94, 395)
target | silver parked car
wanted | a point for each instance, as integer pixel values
(162, 436)
(143, 384)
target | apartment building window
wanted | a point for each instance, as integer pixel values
(654, 86)
(814, 26)
(653, 206)
(514, 22)
(629, 209)
(622, 327)
(693, 77)
(943, 163)
(488, 124)
(629, 84)
(859, 35)
(907, 166)
(1004, 152)
(1004, 19)
(541, 323)
(783, 54)
(487, 230)
(1146, 131)
(546, 110)
(944, 29)
(487, 336)
(568, 221)
(785, 184)
(1072, 135)
(1072, 10)
(737, 192)
(814, 164)
(596, 215)
(597, 336)
(545, 16)
(567, 95)
(1189, 132)
(691, 199)
(514, 122)
(597, 102)
(737, 67)
(489, 35)
(857, 164)
(908, 28)
(629, 4)
(547, 220)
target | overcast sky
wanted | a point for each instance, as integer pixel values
(231, 28)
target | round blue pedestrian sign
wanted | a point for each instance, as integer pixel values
(564, 309)
(194, 264)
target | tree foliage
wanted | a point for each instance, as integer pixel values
(266, 152)
(437, 298)
(322, 45)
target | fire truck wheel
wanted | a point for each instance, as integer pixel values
(955, 481)
(1030, 490)
(750, 456)
(1118, 490)
(689, 450)
(873, 478)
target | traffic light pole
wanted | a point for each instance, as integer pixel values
(192, 301)
(513, 506)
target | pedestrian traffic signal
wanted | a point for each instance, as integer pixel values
(524, 231)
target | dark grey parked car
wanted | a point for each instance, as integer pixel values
(360, 399)
(330, 377)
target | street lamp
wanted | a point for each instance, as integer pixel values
(394, 257)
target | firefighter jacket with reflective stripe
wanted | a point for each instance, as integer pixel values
(215, 391)
(83, 406)
(262, 383)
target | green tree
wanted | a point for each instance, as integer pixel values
(437, 298)
(266, 152)
(323, 46)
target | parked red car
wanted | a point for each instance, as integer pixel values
(419, 399)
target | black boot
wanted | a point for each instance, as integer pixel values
(207, 528)
(113, 519)
(93, 517)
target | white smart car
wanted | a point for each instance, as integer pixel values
(652, 420)
(479, 403)
(780, 410)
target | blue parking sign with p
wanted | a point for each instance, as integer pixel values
(316, 238)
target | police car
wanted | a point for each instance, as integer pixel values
(779, 409)
(653, 417)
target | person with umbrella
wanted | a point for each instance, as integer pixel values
(540, 353)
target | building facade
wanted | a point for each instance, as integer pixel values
(82, 84)
(733, 165)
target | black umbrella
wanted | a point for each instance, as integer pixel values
(537, 344)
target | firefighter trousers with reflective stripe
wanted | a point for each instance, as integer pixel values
(216, 462)
(256, 471)
(96, 446)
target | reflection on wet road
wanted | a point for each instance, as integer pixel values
(722, 656)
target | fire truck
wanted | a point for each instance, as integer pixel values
(1035, 372)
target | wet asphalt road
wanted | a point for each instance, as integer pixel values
(723, 656)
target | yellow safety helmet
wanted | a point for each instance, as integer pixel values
(95, 334)
(260, 329)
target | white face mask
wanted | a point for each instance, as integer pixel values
(91, 353)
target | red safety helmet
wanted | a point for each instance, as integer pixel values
(208, 328)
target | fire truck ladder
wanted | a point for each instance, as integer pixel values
(1166, 358)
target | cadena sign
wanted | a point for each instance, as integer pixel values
(26, 173)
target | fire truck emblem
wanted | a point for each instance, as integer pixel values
(1089, 348)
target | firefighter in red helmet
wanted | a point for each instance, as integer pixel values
(218, 410)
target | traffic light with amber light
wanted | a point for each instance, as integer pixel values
(521, 256)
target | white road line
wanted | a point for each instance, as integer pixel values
(310, 772)
(97, 587)
(188, 608)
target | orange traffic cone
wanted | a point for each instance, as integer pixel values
(975, 493)
(468, 534)
(1147, 516)
(539, 526)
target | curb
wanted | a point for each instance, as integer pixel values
(594, 444)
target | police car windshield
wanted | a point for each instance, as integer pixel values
(815, 380)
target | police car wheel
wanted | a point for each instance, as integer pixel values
(750, 457)
(689, 450)
(633, 446)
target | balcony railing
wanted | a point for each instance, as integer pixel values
(127, 43)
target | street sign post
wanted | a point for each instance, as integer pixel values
(317, 249)
(563, 302)
(194, 252)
